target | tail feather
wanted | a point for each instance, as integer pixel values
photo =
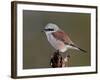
(82, 50)
(78, 48)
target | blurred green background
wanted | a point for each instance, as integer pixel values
(36, 49)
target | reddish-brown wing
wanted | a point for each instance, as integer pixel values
(60, 35)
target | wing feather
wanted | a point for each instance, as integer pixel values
(62, 36)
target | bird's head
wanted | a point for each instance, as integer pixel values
(50, 27)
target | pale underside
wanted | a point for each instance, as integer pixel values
(58, 44)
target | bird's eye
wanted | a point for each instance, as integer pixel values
(49, 29)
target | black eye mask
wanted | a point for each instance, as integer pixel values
(49, 29)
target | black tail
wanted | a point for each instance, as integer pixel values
(78, 48)
(82, 50)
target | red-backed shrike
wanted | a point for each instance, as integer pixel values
(59, 39)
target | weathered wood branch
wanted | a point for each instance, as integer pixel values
(58, 61)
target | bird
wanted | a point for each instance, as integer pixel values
(59, 39)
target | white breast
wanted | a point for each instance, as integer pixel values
(57, 44)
